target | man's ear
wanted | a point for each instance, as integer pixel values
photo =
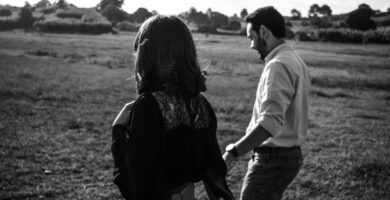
(263, 31)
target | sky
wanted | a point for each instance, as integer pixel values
(227, 7)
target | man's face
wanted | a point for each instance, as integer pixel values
(257, 42)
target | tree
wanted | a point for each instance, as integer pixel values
(5, 12)
(234, 25)
(43, 4)
(105, 3)
(313, 11)
(61, 4)
(141, 14)
(360, 19)
(364, 6)
(325, 11)
(196, 17)
(26, 18)
(316, 10)
(295, 14)
(113, 13)
(219, 20)
(243, 13)
(388, 10)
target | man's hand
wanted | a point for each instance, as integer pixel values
(228, 158)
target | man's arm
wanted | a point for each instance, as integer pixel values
(274, 100)
(248, 142)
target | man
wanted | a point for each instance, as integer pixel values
(280, 114)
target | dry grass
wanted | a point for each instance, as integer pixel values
(60, 93)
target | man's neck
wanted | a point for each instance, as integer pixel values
(275, 43)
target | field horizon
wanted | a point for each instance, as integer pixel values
(59, 94)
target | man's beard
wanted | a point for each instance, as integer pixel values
(261, 48)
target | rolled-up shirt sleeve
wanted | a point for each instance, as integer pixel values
(274, 96)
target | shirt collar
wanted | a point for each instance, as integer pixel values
(274, 51)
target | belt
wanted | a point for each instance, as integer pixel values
(275, 149)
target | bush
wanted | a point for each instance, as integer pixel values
(320, 22)
(377, 36)
(340, 35)
(344, 35)
(234, 25)
(26, 18)
(113, 13)
(8, 23)
(304, 35)
(47, 11)
(289, 33)
(383, 20)
(127, 26)
(69, 14)
(360, 19)
(74, 26)
(5, 12)
(206, 29)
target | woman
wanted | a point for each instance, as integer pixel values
(166, 140)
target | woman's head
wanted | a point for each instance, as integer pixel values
(166, 57)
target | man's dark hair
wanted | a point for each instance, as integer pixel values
(268, 17)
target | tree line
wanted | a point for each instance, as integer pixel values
(69, 18)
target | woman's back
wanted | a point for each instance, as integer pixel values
(181, 143)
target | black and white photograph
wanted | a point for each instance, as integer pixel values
(194, 100)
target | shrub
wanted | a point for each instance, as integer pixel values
(289, 33)
(340, 35)
(344, 35)
(8, 23)
(69, 14)
(382, 20)
(305, 35)
(47, 11)
(127, 26)
(206, 29)
(113, 13)
(320, 22)
(5, 12)
(73, 26)
(26, 18)
(360, 19)
(377, 36)
(234, 25)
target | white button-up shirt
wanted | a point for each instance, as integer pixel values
(281, 105)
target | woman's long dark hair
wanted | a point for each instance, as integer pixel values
(166, 58)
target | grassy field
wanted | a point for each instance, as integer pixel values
(60, 93)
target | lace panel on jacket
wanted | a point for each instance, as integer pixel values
(175, 113)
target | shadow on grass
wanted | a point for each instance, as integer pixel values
(367, 116)
(333, 82)
(34, 195)
(331, 96)
(101, 60)
(375, 174)
(34, 97)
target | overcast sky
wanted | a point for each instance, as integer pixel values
(228, 7)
